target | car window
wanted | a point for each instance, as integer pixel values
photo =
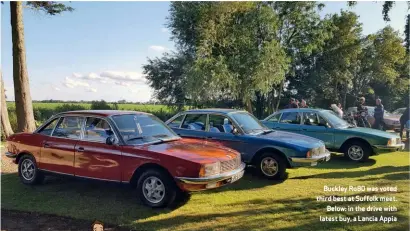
(323, 121)
(290, 118)
(97, 129)
(49, 128)
(310, 118)
(69, 127)
(176, 123)
(195, 122)
(143, 128)
(275, 118)
(219, 123)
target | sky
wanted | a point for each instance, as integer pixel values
(98, 50)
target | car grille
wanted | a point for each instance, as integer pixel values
(230, 165)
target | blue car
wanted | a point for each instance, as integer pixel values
(356, 143)
(271, 152)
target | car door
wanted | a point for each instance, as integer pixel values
(315, 126)
(220, 130)
(193, 126)
(272, 121)
(57, 153)
(93, 157)
(289, 121)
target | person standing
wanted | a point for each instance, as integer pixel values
(361, 117)
(403, 120)
(292, 103)
(378, 115)
(303, 104)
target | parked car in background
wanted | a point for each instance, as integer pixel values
(355, 142)
(399, 111)
(126, 147)
(391, 120)
(271, 152)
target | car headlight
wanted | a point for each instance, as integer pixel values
(391, 142)
(210, 169)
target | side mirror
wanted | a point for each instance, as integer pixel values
(235, 131)
(110, 140)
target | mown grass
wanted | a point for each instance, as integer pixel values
(249, 204)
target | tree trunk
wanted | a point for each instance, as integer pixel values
(279, 94)
(5, 122)
(248, 103)
(24, 107)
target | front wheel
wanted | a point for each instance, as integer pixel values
(271, 166)
(357, 151)
(156, 189)
(28, 171)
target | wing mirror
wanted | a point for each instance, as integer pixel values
(235, 131)
(110, 140)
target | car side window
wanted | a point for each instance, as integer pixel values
(310, 118)
(219, 123)
(69, 127)
(49, 128)
(290, 118)
(97, 129)
(176, 123)
(321, 120)
(195, 122)
(275, 118)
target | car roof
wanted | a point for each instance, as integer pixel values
(100, 112)
(301, 110)
(214, 110)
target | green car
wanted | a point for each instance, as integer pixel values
(339, 136)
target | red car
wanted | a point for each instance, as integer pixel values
(126, 147)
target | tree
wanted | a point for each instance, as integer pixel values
(5, 122)
(167, 77)
(24, 107)
(334, 68)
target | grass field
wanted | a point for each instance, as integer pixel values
(249, 204)
(128, 106)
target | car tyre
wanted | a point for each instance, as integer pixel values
(28, 172)
(357, 151)
(271, 166)
(156, 189)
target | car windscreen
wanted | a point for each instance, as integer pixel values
(248, 122)
(334, 120)
(142, 128)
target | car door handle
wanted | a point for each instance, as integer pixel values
(80, 149)
(210, 137)
(46, 145)
(304, 129)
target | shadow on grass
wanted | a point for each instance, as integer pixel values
(338, 161)
(355, 174)
(302, 213)
(106, 201)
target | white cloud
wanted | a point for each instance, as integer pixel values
(164, 30)
(70, 83)
(123, 76)
(125, 84)
(56, 88)
(158, 48)
(89, 76)
(90, 89)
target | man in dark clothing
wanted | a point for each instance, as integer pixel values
(292, 103)
(361, 118)
(403, 120)
(378, 114)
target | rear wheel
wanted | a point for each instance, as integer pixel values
(357, 151)
(271, 166)
(28, 171)
(156, 188)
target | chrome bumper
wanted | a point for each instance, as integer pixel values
(211, 179)
(390, 147)
(314, 159)
(11, 155)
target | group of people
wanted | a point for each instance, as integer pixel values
(294, 103)
(361, 113)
